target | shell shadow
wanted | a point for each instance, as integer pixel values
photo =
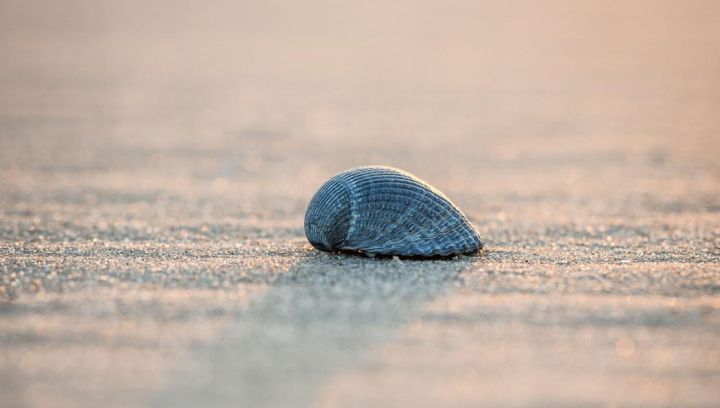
(319, 319)
(449, 258)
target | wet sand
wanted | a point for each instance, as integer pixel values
(156, 161)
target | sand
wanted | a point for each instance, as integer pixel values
(156, 161)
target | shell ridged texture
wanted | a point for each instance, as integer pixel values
(386, 211)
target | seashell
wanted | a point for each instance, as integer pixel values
(378, 210)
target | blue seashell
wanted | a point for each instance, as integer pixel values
(378, 210)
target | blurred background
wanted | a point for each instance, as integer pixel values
(252, 96)
(159, 155)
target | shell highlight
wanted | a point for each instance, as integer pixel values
(378, 210)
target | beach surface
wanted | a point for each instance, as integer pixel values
(156, 160)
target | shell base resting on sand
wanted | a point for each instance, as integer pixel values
(385, 211)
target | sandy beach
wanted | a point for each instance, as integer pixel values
(156, 160)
